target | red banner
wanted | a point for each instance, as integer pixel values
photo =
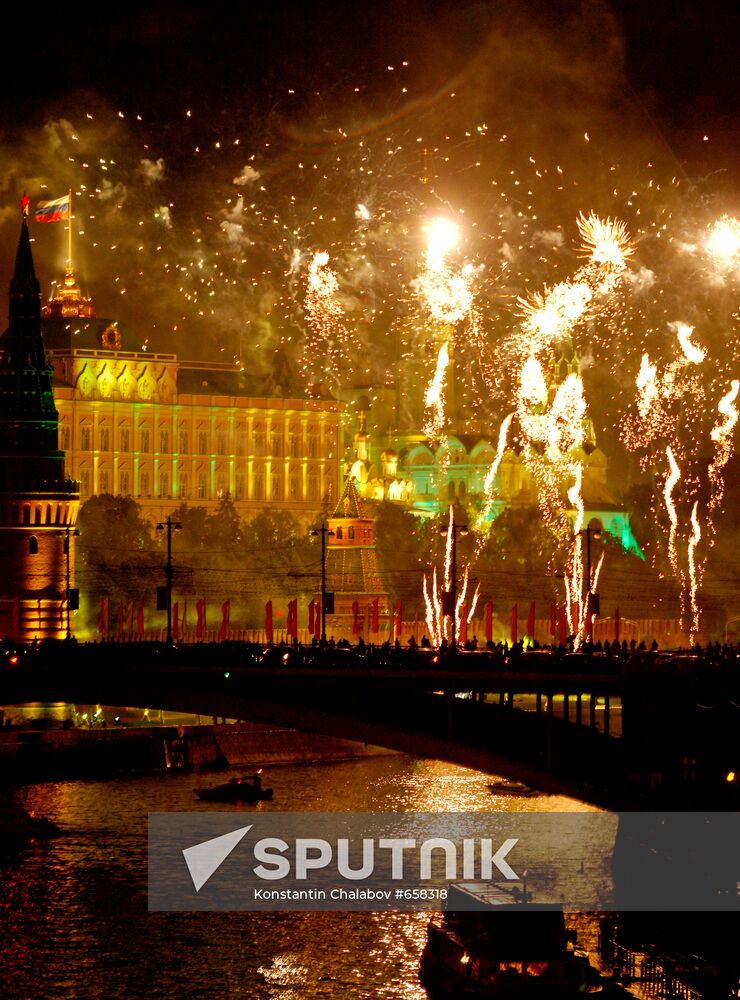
(488, 619)
(200, 628)
(103, 618)
(311, 620)
(355, 618)
(530, 621)
(562, 626)
(514, 625)
(223, 632)
(268, 621)
(375, 626)
(185, 621)
(130, 623)
(292, 624)
(140, 620)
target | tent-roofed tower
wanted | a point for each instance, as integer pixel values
(352, 571)
(37, 502)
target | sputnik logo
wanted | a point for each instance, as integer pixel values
(204, 859)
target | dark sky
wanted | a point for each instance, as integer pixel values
(680, 58)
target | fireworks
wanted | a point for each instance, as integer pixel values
(605, 242)
(723, 243)
(313, 253)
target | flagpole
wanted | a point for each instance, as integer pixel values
(69, 233)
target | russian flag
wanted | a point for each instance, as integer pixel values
(53, 211)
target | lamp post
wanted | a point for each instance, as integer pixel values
(323, 531)
(451, 595)
(67, 534)
(169, 525)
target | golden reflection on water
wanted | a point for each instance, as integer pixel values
(84, 894)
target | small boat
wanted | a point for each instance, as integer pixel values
(497, 946)
(248, 788)
(18, 826)
(502, 786)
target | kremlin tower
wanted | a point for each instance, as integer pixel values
(38, 504)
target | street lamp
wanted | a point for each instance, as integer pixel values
(596, 533)
(67, 534)
(449, 598)
(169, 525)
(323, 531)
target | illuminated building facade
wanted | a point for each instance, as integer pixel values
(428, 478)
(38, 502)
(166, 431)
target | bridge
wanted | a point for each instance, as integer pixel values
(641, 733)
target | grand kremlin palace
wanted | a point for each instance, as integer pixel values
(164, 431)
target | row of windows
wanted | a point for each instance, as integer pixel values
(202, 483)
(259, 442)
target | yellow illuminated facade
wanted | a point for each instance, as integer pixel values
(166, 431)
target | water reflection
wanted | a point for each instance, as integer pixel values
(74, 913)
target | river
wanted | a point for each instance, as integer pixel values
(73, 910)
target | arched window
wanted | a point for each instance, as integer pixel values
(164, 440)
(124, 483)
(202, 486)
(104, 438)
(350, 532)
(125, 439)
(202, 442)
(339, 533)
(183, 442)
(144, 484)
(33, 545)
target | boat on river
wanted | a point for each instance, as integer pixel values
(490, 943)
(18, 826)
(503, 786)
(248, 788)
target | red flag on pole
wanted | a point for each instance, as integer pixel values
(140, 620)
(530, 621)
(463, 624)
(553, 619)
(176, 622)
(355, 617)
(200, 627)
(317, 620)
(398, 627)
(223, 632)
(489, 621)
(514, 624)
(268, 621)
(376, 615)
(292, 623)
(185, 621)
(562, 626)
(617, 623)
